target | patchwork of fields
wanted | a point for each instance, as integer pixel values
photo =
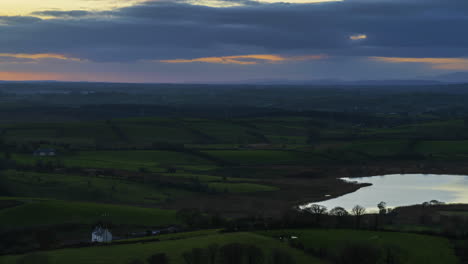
(141, 173)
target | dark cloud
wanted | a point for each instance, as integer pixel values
(167, 30)
(15, 20)
(63, 14)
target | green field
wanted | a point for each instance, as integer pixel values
(81, 188)
(122, 254)
(247, 141)
(416, 248)
(109, 190)
(43, 212)
(258, 157)
(241, 187)
(126, 160)
(233, 159)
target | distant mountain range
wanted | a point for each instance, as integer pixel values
(340, 82)
(451, 78)
(456, 77)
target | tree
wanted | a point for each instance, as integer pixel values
(435, 202)
(341, 215)
(382, 208)
(317, 210)
(358, 211)
(382, 212)
(339, 211)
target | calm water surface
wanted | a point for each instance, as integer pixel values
(403, 189)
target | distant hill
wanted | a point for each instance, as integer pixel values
(339, 82)
(456, 77)
(451, 78)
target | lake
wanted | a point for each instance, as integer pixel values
(403, 189)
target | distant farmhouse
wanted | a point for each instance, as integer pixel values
(45, 152)
(101, 235)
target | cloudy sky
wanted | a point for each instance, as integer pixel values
(231, 40)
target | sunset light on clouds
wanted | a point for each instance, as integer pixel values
(248, 59)
(358, 37)
(40, 56)
(177, 40)
(25, 7)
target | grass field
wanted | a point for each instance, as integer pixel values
(241, 187)
(108, 190)
(417, 248)
(256, 157)
(445, 150)
(43, 212)
(126, 160)
(227, 139)
(122, 254)
(80, 188)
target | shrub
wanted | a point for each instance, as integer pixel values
(34, 258)
(359, 253)
(159, 258)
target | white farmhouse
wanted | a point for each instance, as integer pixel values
(101, 235)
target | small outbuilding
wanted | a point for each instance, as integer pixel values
(101, 235)
(45, 152)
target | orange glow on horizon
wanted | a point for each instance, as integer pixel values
(251, 59)
(117, 77)
(436, 63)
(31, 76)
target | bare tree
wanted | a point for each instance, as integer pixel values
(358, 211)
(339, 211)
(318, 211)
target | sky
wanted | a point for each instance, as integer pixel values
(184, 41)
